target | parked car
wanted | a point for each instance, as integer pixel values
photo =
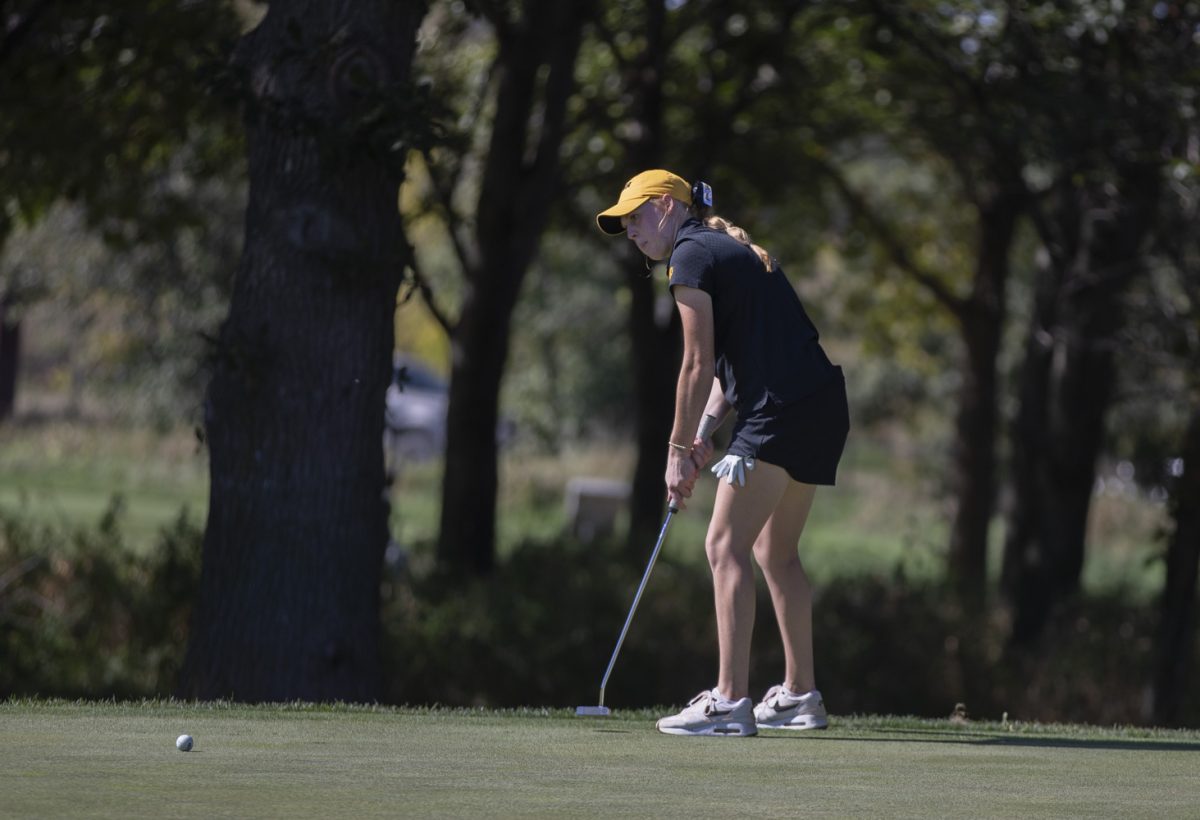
(415, 414)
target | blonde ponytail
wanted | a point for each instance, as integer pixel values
(710, 220)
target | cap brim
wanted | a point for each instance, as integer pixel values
(610, 220)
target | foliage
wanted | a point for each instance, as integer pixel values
(125, 327)
(81, 614)
(1159, 351)
(112, 132)
(98, 95)
(908, 101)
(572, 382)
(542, 630)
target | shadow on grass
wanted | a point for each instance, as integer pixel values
(970, 738)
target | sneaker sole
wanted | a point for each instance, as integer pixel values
(798, 723)
(717, 730)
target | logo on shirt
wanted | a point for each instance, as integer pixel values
(670, 272)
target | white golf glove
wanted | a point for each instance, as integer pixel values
(733, 467)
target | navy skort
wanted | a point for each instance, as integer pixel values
(805, 437)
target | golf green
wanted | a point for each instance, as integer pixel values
(119, 760)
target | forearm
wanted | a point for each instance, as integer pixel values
(691, 391)
(692, 397)
(715, 411)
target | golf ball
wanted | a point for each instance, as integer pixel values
(183, 743)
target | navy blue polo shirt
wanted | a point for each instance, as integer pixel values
(767, 349)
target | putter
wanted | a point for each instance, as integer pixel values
(601, 710)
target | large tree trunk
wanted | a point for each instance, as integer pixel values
(982, 324)
(520, 181)
(10, 358)
(1067, 383)
(1177, 626)
(289, 598)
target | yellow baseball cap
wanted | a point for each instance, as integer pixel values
(645, 186)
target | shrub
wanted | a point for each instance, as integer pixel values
(540, 631)
(82, 615)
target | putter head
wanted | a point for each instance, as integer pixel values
(592, 711)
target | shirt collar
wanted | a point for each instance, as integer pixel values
(689, 226)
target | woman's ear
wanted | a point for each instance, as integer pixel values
(663, 206)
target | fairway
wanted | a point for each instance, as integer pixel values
(114, 760)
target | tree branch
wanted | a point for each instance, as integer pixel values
(560, 85)
(886, 235)
(421, 284)
(443, 190)
(480, 101)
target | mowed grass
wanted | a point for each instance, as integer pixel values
(67, 476)
(119, 760)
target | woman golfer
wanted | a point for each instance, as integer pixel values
(748, 345)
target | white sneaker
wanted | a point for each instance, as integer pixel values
(710, 714)
(781, 709)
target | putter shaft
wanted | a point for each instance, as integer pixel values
(636, 598)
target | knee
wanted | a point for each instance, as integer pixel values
(723, 554)
(775, 559)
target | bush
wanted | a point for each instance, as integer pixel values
(541, 631)
(83, 616)
(896, 647)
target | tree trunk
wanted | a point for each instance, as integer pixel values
(297, 524)
(657, 348)
(1066, 389)
(479, 349)
(1177, 627)
(1067, 384)
(520, 181)
(656, 343)
(1021, 584)
(10, 358)
(982, 324)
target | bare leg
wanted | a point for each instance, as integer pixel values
(739, 514)
(791, 593)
